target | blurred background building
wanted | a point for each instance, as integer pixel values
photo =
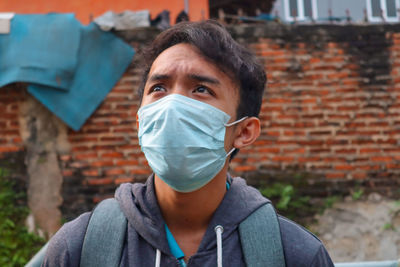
(289, 11)
(86, 10)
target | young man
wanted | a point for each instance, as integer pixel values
(201, 95)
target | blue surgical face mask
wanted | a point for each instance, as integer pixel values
(183, 140)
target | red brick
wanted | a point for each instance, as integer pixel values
(387, 142)
(66, 173)
(304, 124)
(124, 130)
(337, 142)
(309, 101)
(382, 159)
(269, 109)
(111, 172)
(287, 116)
(309, 159)
(369, 167)
(273, 53)
(112, 139)
(392, 166)
(359, 175)
(127, 162)
(348, 108)
(7, 149)
(100, 181)
(320, 132)
(91, 172)
(346, 151)
(112, 155)
(8, 115)
(344, 167)
(334, 159)
(245, 168)
(80, 148)
(314, 60)
(311, 143)
(279, 100)
(101, 163)
(299, 150)
(320, 150)
(83, 156)
(339, 75)
(269, 150)
(294, 133)
(104, 147)
(369, 150)
(272, 133)
(283, 159)
(262, 142)
(129, 147)
(82, 139)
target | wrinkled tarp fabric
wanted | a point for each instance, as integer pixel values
(102, 59)
(5, 22)
(126, 20)
(40, 49)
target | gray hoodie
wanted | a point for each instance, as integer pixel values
(146, 232)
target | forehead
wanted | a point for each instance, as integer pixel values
(185, 58)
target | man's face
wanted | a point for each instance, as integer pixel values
(180, 69)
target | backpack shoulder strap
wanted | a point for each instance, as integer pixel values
(105, 235)
(260, 237)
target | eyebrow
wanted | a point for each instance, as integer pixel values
(159, 77)
(202, 78)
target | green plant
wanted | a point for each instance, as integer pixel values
(388, 226)
(329, 201)
(17, 245)
(357, 194)
(287, 199)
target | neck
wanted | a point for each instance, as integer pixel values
(191, 211)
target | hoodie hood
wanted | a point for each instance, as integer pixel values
(139, 204)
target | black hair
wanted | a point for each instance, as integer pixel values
(216, 44)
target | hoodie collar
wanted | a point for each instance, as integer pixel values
(139, 204)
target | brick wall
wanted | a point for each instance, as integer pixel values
(10, 140)
(330, 116)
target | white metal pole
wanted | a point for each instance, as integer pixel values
(187, 6)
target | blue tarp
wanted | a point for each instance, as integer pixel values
(102, 59)
(54, 52)
(40, 49)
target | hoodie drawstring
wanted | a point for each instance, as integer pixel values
(218, 231)
(158, 258)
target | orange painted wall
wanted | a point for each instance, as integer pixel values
(198, 9)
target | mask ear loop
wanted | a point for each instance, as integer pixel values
(235, 122)
(230, 124)
(230, 152)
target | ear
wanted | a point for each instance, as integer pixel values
(247, 132)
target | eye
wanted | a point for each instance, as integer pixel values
(157, 88)
(203, 90)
